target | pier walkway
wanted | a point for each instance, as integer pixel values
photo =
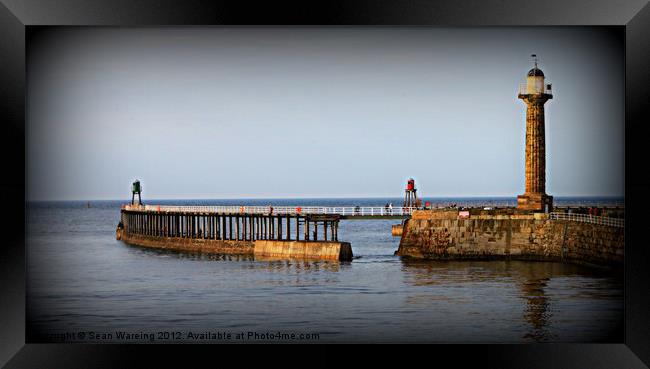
(248, 223)
(262, 231)
(283, 231)
(343, 212)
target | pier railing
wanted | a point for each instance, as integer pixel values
(281, 210)
(586, 218)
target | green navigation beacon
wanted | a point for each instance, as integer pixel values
(136, 188)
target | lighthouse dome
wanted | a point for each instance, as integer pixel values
(535, 72)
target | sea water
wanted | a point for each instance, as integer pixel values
(84, 286)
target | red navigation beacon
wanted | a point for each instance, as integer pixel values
(411, 197)
(410, 185)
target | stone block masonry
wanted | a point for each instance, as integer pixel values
(318, 250)
(207, 246)
(322, 250)
(441, 235)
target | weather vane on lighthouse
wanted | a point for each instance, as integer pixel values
(535, 94)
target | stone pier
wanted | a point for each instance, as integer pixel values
(269, 234)
(323, 250)
(479, 234)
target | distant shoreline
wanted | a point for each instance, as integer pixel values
(560, 200)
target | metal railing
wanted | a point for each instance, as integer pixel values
(279, 210)
(586, 218)
(523, 89)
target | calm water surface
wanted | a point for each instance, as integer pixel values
(81, 280)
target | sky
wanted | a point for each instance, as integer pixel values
(270, 112)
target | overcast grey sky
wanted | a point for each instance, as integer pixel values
(316, 112)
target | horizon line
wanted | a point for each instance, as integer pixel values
(329, 198)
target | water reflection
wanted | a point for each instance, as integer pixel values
(427, 273)
(296, 265)
(537, 312)
(80, 277)
(462, 283)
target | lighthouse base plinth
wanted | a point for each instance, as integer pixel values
(535, 202)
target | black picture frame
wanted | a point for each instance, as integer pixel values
(17, 15)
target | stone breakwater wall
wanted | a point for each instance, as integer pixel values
(320, 250)
(207, 246)
(442, 234)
